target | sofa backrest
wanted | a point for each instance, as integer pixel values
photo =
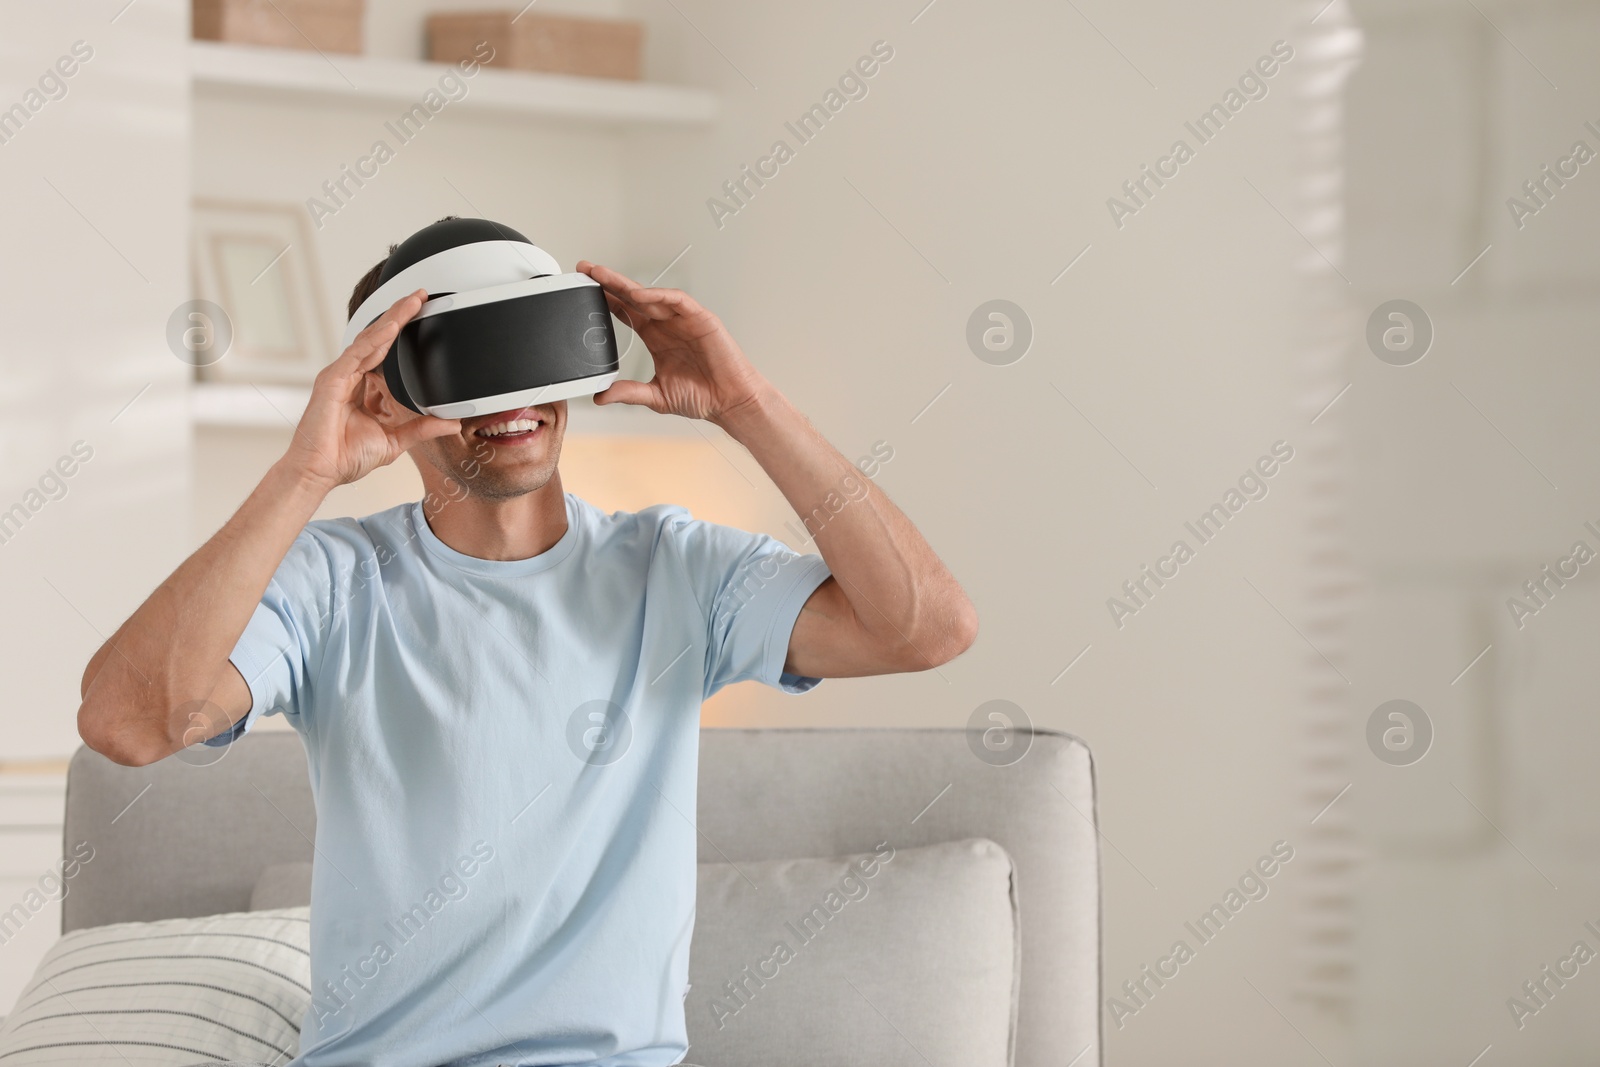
(179, 838)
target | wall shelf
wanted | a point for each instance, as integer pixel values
(242, 406)
(366, 79)
(232, 405)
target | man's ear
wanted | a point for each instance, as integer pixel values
(377, 401)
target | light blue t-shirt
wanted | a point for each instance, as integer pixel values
(504, 758)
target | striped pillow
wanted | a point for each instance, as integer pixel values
(169, 993)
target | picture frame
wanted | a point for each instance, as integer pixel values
(258, 262)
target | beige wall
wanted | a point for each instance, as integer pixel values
(1475, 468)
(988, 145)
(87, 286)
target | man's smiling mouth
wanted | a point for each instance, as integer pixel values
(511, 426)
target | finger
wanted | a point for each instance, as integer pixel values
(636, 316)
(616, 300)
(422, 429)
(659, 304)
(388, 327)
(610, 279)
(624, 311)
(638, 311)
(625, 391)
(676, 299)
(396, 315)
(369, 347)
(613, 282)
(376, 348)
(372, 343)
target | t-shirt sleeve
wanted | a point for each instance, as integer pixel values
(751, 588)
(283, 639)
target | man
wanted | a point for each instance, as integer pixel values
(499, 686)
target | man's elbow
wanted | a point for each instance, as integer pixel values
(956, 632)
(90, 671)
(119, 742)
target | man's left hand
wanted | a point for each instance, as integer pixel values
(701, 373)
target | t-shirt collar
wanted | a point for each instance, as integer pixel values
(506, 568)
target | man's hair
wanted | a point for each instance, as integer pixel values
(369, 281)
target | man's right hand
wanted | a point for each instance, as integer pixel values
(337, 440)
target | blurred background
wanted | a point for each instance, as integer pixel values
(1370, 270)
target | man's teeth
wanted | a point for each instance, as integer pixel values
(514, 426)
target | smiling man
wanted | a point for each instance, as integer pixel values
(499, 688)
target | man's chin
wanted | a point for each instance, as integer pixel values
(498, 474)
(508, 478)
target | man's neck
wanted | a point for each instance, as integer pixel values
(513, 528)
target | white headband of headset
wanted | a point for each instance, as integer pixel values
(455, 270)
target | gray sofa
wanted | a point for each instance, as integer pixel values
(183, 839)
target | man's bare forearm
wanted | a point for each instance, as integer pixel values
(140, 689)
(173, 651)
(899, 589)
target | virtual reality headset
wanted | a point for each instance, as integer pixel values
(503, 327)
